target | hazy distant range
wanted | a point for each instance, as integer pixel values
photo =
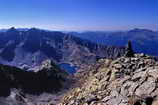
(143, 40)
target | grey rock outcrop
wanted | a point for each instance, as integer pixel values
(124, 81)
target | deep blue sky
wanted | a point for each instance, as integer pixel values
(79, 14)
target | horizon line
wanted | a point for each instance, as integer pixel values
(76, 30)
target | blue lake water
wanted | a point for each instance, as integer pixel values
(69, 68)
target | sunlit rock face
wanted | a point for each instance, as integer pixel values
(124, 81)
(29, 48)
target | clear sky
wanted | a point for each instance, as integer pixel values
(79, 14)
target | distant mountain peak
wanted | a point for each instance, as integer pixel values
(140, 30)
(12, 29)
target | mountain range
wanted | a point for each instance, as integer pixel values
(28, 48)
(143, 40)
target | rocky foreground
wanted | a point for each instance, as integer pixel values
(124, 81)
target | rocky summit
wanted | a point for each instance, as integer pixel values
(124, 81)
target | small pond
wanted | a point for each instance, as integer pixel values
(69, 68)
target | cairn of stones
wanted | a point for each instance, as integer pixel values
(129, 50)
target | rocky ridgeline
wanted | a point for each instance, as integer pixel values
(124, 81)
